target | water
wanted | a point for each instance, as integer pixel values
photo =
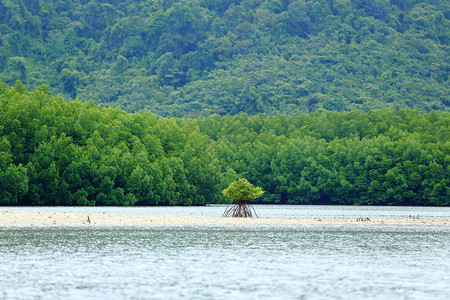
(263, 211)
(226, 262)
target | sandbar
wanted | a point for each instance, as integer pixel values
(36, 218)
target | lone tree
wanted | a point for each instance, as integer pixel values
(241, 191)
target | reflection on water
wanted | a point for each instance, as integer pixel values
(225, 262)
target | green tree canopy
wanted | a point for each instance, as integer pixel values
(242, 191)
(190, 58)
(54, 152)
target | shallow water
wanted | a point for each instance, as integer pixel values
(263, 211)
(225, 262)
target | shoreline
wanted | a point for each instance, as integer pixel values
(28, 218)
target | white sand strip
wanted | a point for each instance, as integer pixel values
(14, 218)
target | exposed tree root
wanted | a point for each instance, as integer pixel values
(240, 209)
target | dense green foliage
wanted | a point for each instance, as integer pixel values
(381, 157)
(196, 57)
(241, 190)
(58, 153)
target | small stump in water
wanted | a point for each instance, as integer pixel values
(241, 191)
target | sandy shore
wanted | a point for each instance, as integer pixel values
(18, 218)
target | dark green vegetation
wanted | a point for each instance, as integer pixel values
(196, 57)
(380, 157)
(58, 153)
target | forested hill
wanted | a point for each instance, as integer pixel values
(197, 57)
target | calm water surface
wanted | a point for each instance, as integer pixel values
(225, 262)
(263, 211)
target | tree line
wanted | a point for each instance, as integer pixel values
(54, 152)
(58, 153)
(381, 157)
(190, 58)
